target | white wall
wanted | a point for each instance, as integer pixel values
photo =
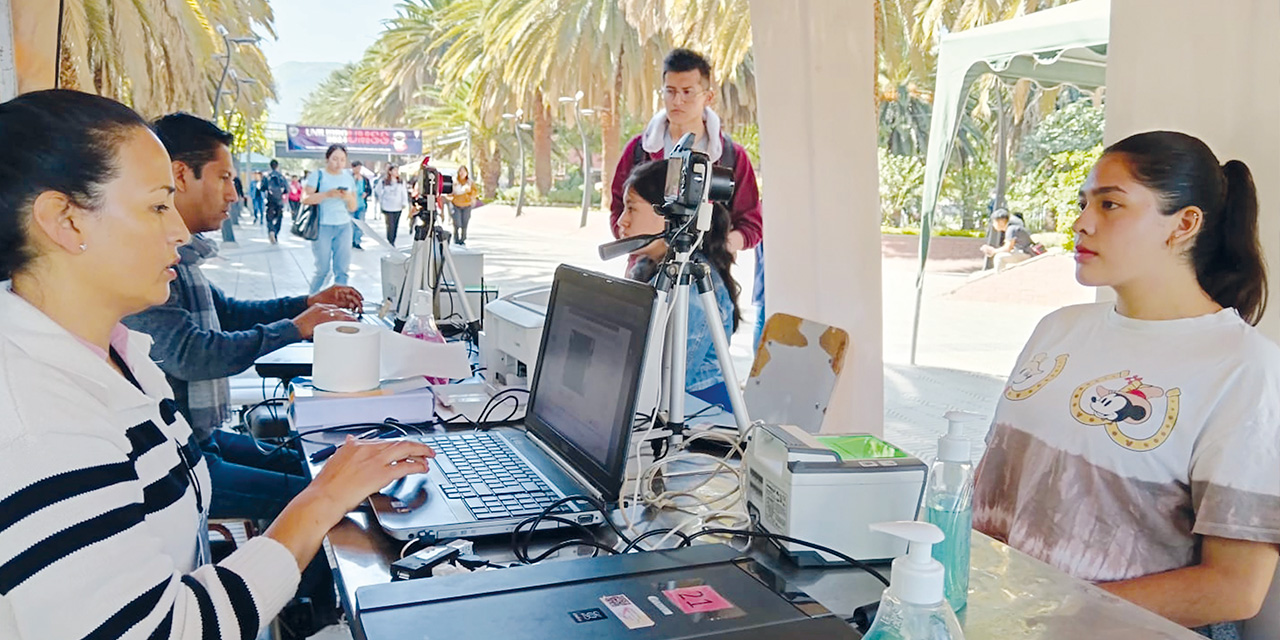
(815, 73)
(1210, 69)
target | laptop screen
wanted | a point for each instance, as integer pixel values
(589, 365)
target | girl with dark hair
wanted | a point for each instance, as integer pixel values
(335, 204)
(1136, 444)
(393, 196)
(103, 491)
(643, 188)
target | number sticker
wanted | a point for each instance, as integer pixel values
(700, 599)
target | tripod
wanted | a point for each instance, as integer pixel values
(431, 242)
(678, 274)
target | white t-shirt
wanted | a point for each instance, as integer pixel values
(1118, 441)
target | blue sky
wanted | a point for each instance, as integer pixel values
(325, 30)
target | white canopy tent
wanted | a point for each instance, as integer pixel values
(1064, 45)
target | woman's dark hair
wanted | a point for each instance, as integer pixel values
(1226, 254)
(649, 180)
(335, 147)
(191, 140)
(56, 140)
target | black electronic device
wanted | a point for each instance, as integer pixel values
(704, 591)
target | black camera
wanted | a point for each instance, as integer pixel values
(693, 180)
(433, 184)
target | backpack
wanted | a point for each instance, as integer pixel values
(276, 187)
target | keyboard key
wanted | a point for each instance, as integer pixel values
(474, 503)
(444, 464)
(481, 488)
(531, 487)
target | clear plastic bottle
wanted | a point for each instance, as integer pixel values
(913, 607)
(948, 503)
(422, 323)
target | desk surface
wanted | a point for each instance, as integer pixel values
(1012, 596)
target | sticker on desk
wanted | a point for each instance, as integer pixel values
(699, 599)
(657, 604)
(627, 611)
(587, 615)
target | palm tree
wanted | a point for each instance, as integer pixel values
(456, 109)
(156, 55)
(559, 47)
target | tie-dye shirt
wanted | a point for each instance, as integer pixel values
(1117, 442)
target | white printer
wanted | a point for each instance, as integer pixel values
(511, 337)
(828, 489)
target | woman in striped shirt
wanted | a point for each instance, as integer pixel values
(103, 494)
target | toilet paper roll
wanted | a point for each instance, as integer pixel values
(347, 357)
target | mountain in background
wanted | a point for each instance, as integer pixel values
(294, 82)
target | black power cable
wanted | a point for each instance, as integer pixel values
(781, 538)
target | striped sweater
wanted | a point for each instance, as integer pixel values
(102, 492)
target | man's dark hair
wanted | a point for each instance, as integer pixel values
(1000, 214)
(274, 164)
(56, 140)
(191, 140)
(357, 163)
(681, 60)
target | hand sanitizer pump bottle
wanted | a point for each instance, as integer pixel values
(948, 503)
(913, 607)
(422, 323)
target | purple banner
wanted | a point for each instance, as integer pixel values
(391, 141)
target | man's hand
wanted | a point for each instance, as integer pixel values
(339, 296)
(317, 315)
(988, 250)
(736, 241)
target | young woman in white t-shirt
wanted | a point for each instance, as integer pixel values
(1137, 443)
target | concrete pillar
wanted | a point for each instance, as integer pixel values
(1212, 70)
(8, 70)
(815, 73)
(35, 36)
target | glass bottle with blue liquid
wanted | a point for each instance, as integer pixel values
(948, 504)
(913, 607)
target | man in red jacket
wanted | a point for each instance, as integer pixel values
(687, 97)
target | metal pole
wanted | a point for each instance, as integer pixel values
(217, 94)
(8, 64)
(587, 186)
(470, 169)
(515, 123)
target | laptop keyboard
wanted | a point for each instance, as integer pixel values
(482, 471)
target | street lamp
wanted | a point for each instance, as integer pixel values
(587, 185)
(516, 126)
(227, 41)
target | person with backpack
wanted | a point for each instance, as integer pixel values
(687, 98)
(274, 188)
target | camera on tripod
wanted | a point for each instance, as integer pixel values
(434, 184)
(692, 184)
(692, 180)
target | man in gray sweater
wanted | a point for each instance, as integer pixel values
(202, 336)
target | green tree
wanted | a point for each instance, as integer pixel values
(1051, 190)
(901, 179)
(158, 56)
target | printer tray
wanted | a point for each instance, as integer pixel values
(563, 600)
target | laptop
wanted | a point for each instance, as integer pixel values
(577, 425)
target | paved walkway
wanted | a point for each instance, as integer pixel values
(970, 332)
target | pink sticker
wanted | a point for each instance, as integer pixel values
(700, 599)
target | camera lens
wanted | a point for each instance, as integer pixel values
(722, 185)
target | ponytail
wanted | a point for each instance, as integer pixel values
(1226, 253)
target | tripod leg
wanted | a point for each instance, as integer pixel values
(451, 270)
(679, 343)
(715, 322)
(664, 375)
